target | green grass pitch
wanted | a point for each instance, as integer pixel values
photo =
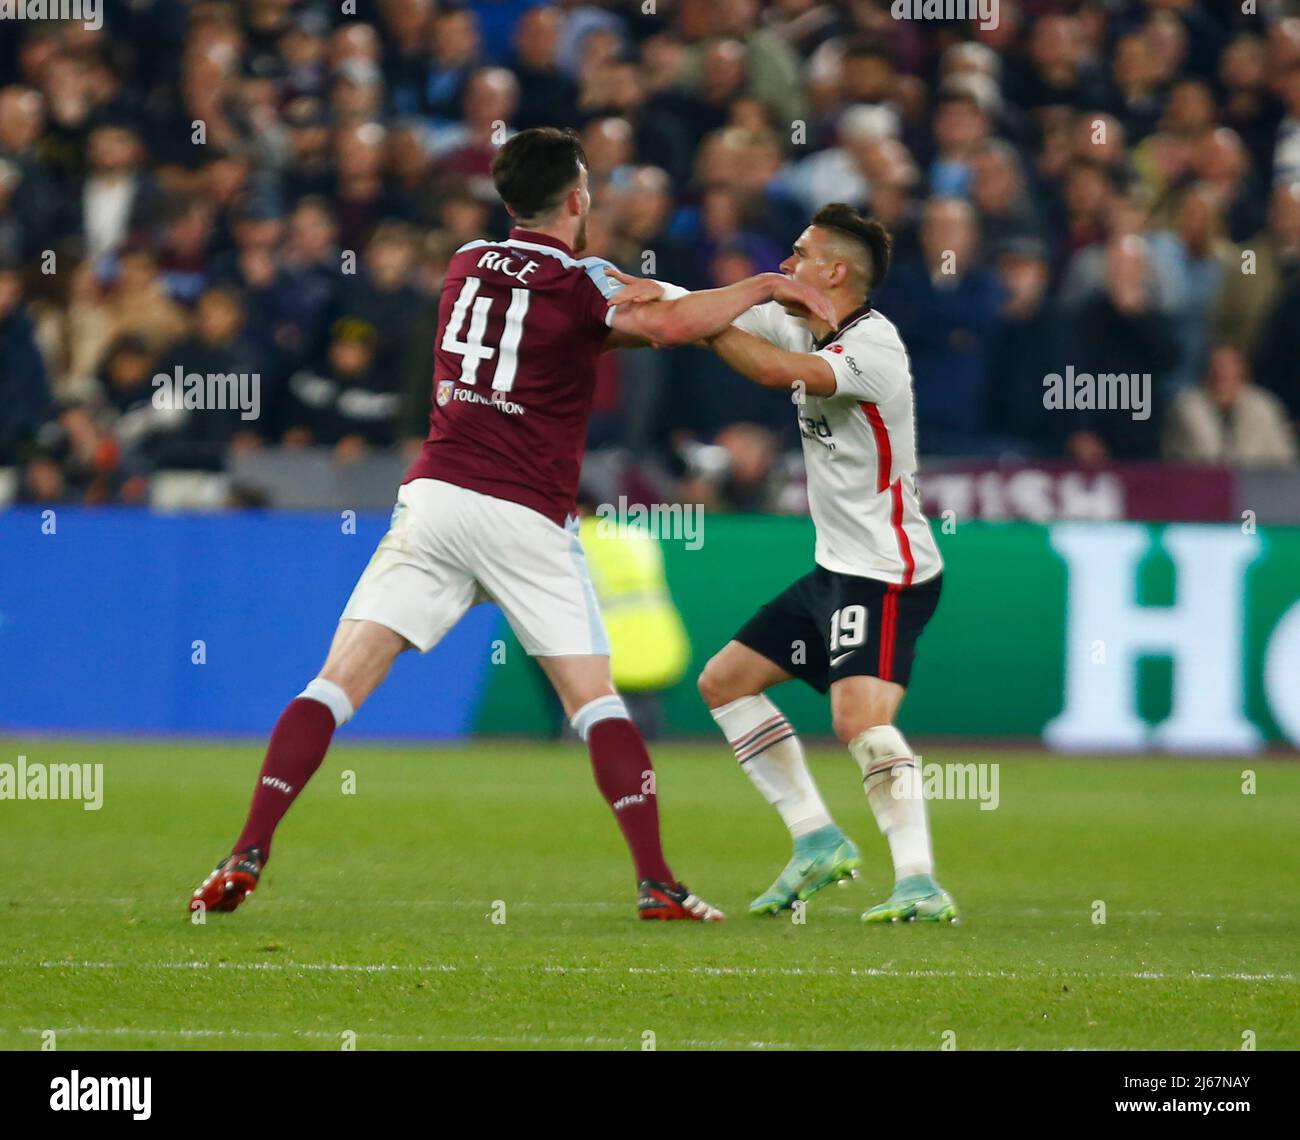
(375, 917)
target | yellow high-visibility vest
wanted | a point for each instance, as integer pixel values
(649, 647)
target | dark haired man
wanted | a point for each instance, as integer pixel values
(850, 626)
(487, 510)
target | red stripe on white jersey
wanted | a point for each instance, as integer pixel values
(884, 452)
(904, 544)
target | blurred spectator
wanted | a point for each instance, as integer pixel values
(183, 249)
(1279, 349)
(844, 173)
(24, 393)
(1286, 155)
(464, 150)
(960, 127)
(216, 348)
(771, 69)
(348, 403)
(945, 306)
(134, 302)
(1229, 420)
(381, 294)
(119, 197)
(1000, 196)
(30, 203)
(609, 146)
(124, 375)
(1086, 196)
(738, 472)
(643, 205)
(1027, 344)
(1137, 99)
(1251, 288)
(408, 166)
(310, 278)
(1126, 215)
(740, 199)
(454, 53)
(1205, 257)
(1055, 68)
(138, 300)
(360, 195)
(1121, 331)
(1246, 105)
(546, 94)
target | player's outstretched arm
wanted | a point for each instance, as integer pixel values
(772, 366)
(696, 316)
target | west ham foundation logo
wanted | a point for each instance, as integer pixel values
(445, 389)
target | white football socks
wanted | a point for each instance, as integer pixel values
(896, 795)
(332, 697)
(772, 757)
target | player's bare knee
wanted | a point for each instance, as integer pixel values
(708, 686)
(360, 657)
(719, 685)
(579, 697)
(848, 724)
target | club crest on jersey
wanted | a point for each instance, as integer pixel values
(836, 348)
(445, 389)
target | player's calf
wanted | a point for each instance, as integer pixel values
(896, 794)
(362, 651)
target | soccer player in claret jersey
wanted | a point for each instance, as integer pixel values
(851, 625)
(487, 509)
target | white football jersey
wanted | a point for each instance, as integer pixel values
(859, 447)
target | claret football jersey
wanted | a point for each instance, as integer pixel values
(521, 325)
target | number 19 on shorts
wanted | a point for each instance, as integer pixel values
(848, 627)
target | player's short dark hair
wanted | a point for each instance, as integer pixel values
(867, 232)
(536, 168)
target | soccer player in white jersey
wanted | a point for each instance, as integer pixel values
(850, 626)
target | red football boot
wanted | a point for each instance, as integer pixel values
(231, 883)
(658, 901)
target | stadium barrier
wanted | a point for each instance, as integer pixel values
(1098, 636)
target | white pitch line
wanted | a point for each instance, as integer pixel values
(485, 905)
(480, 1038)
(695, 971)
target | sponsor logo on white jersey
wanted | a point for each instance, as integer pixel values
(817, 430)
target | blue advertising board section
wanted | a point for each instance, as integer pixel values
(99, 620)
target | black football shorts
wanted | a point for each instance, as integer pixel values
(829, 625)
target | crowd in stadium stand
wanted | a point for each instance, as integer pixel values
(274, 187)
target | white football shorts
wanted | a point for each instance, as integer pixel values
(449, 548)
